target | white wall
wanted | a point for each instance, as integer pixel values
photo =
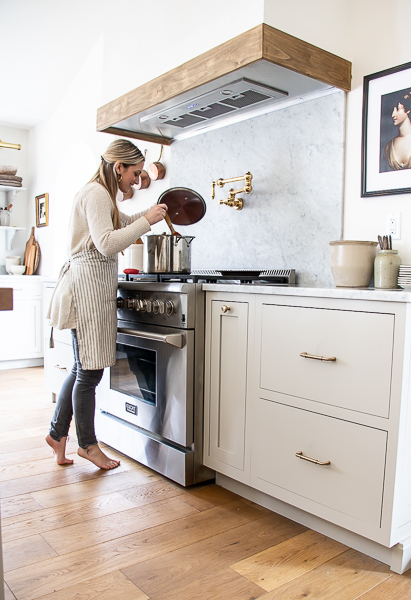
(106, 50)
(374, 37)
(130, 47)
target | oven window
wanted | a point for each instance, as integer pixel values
(134, 373)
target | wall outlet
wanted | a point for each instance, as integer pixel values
(394, 225)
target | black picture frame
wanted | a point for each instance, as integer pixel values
(381, 92)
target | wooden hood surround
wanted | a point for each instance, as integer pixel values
(290, 57)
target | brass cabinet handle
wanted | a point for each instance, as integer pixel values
(313, 460)
(306, 355)
(225, 308)
(61, 368)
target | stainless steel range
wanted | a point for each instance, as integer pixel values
(150, 403)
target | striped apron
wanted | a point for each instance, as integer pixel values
(94, 280)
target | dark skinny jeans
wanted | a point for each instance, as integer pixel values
(78, 397)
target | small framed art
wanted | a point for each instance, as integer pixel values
(42, 210)
(386, 132)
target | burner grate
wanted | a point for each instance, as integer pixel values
(273, 277)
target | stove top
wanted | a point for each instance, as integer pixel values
(251, 276)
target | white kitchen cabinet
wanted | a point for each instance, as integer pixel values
(226, 367)
(326, 442)
(58, 357)
(22, 328)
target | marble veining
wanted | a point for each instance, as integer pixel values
(296, 156)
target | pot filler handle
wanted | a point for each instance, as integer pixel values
(174, 339)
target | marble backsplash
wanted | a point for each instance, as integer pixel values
(296, 157)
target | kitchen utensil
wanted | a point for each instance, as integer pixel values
(133, 257)
(180, 253)
(352, 262)
(156, 253)
(143, 181)
(37, 257)
(131, 271)
(167, 254)
(185, 206)
(4, 218)
(29, 244)
(10, 261)
(157, 170)
(17, 269)
(169, 223)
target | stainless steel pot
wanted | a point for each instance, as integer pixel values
(167, 253)
(180, 254)
(156, 253)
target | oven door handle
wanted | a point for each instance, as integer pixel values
(174, 339)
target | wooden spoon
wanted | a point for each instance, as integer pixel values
(169, 223)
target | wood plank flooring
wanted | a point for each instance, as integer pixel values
(76, 532)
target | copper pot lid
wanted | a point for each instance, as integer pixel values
(185, 206)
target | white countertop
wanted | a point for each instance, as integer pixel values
(398, 295)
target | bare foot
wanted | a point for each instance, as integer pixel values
(94, 454)
(59, 449)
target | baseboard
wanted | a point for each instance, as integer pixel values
(397, 557)
(21, 363)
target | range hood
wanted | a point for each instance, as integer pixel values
(253, 73)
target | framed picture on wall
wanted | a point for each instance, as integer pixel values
(42, 210)
(386, 132)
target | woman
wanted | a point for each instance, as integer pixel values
(85, 296)
(397, 152)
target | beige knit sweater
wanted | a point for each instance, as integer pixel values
(91, 227)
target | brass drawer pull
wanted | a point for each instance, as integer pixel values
(61, 368)
(313, 460)
(225, 308)
(306, 355)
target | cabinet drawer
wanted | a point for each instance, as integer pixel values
(63, 336)
(23, 289)
(361, 342)
(351, 484)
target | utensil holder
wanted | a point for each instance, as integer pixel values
(386, 269)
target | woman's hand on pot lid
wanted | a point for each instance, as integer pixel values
(156, 213)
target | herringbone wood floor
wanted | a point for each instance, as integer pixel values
(130, 534)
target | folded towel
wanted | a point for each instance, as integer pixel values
(11, 177)
(8, 170)
(10, 183)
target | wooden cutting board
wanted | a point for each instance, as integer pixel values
(29, 245)
(36, 257)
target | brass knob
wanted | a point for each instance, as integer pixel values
(225, 308)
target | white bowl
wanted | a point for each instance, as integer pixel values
(17, 269)
(12, 260)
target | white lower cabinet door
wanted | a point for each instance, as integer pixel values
(228, 382)
(59, 362)
(352, 483)
(21, 330)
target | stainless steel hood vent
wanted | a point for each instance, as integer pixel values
(262, 68)
(233, 97)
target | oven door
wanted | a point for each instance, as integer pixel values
(151, 383)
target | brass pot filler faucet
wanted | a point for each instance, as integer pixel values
(237, 203)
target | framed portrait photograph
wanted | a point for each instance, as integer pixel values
(42, 210)
(386, 133)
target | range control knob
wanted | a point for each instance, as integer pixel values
(143, 305)
(169, 307)
(120, 302)
(149, 306)
(130, 303)
(161, 307)
(156, 306)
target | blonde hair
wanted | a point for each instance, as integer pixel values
(124, 152)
